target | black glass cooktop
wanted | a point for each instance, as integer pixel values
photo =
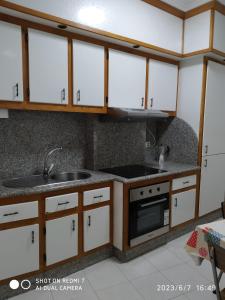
(132, 171)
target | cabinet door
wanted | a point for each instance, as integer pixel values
(88, 74)
(183, 207)
(214, 121)
(61, 239)
(96, 227)
(212, 183)
(11, 83)
(162, 86)
(48, 68)
(19, 251)
(127, 74)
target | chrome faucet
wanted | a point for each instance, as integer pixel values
(47, 170)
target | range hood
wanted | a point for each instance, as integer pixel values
(128, 113)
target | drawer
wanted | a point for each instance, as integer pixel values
(16, 212)
(61, 202)
(96, 196)
(184, 182)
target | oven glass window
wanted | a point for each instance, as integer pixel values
(149, 219)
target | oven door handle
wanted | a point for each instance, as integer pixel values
(153, 203)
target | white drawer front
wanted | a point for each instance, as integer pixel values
(16, 212)
(96, 196)
(61, 202)
(183, 182)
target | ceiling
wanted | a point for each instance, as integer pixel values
(188, 4)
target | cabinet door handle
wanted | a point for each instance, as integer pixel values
(142, 102)
(63, 94)
(78, 96)
(32, 237)
(89, 221)
(175, 203)
(186, 182)
(16, 90)
(206, 149)
(151, 102)
(11, 214)
(206, 163)
(63, 203)
(73, 225)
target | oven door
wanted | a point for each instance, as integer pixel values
(147, 215)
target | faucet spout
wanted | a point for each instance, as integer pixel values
(47, 170)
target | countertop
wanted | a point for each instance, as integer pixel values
(97, 177)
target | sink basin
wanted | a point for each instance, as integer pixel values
(62, 177)
(39, 180)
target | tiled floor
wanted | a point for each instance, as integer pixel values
(138, 279)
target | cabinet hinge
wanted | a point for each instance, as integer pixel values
(45, 258)
(28, 92)
(44, 230)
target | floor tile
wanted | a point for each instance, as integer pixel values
(181, 297)
(104, 274)
(34, 295)
(185, 275)
(149, 287)
(162, 258)
(197, 295)
(122, 291)
(136, 267)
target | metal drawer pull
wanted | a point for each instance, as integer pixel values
(153, 203)
(186, 182)
(16, 90)
(206, 149)
(11, 214)
(89, 221)
(96, 197)
(151, 102)
(78, 96)
(175, 204)
(142, 101)
(32, 237)
(73, 225)
(63, 203)
(206, 163)
(63, 94)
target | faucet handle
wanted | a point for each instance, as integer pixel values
(50, 169)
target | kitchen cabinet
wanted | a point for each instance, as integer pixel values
(219, 25)
(214, 121)
(48, 67)
(127, 77)
(88, 74)
(11, 73)
(19, 251)
(212, 183)
(162, 86)
(183, 207)
(96, 227)
(61, 238)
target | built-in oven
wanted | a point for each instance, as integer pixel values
(148, 212)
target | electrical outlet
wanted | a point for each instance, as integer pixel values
(147, 144)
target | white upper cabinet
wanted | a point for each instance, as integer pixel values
(197, 32)
(212, 183)
(11, 75)
(214, 121)
(88, 74)
(127, 77)
(162, 86)
(219, 25)
(48, 68)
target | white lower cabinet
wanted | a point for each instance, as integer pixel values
(212, 188)
(183, 207)
(61, 239)
(19, 251)
(96, 227)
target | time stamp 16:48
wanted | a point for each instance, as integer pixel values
(184, 287)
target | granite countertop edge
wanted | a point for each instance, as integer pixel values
(97, 177)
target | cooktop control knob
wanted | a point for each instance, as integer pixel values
(150, 191)
(158, 189)
(142, 193)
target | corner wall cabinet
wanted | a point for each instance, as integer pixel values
(48, 67)
(11, 83)
(88, 74)
(162, 86)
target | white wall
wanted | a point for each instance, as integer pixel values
(131, 18)
(190, 91)
(197, 32)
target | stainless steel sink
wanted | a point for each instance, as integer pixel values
(40, 180)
